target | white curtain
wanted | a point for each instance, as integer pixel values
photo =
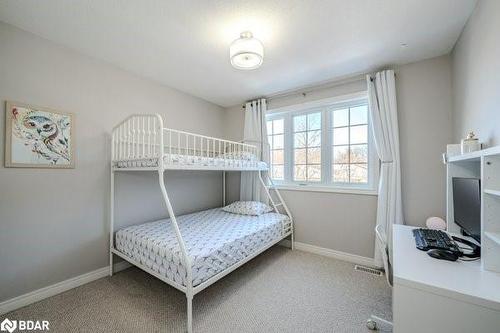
(384, 120)
(255, 133)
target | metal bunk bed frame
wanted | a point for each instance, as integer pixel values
(143, 137)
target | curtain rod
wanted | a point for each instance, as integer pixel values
(302, 91)
(318, 86)
(308, 89)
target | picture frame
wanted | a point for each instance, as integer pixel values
(38, 137)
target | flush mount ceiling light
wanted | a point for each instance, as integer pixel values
(246, 52)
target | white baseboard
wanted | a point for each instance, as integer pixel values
(40, 294)
(353, 258)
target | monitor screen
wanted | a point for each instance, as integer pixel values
(467, 205)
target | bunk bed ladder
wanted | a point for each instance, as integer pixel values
(268, 187)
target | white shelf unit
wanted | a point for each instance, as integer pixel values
(490, 211)
(483, 164)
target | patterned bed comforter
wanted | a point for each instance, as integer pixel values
(215, 240)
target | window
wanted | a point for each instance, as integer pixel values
(307, 147)
(325, 144)
(276, 139)
(350, 145)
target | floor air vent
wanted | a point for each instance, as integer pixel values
(368, 270)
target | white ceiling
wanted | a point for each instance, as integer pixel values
(184, 43)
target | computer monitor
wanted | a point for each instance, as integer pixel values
(467, 205)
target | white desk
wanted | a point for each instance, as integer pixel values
(433, 295)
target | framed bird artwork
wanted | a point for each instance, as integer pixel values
(38, 137)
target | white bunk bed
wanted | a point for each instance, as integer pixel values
(193, 251)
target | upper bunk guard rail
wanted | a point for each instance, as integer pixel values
(143, 137)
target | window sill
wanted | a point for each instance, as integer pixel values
(326, 189)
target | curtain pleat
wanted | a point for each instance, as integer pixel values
(384, 122)
(255, 133)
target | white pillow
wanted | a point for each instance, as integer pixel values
(247, 208)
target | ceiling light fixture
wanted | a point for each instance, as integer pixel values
(246, 52)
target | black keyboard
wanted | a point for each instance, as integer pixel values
(427, 239)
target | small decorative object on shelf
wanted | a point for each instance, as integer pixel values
(470, 143)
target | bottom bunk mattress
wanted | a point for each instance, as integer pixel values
(215, 240)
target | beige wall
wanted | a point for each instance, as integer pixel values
(345, 222)
(424, 115)
(476, 75)
(54, 223)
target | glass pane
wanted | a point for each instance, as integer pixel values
(314, 173)
(340, 117)
(299, 140)
(359, 173)
(278, 141)
(359, 115)
(278, 126)
(341, 136)
(314, 156)
(340, 173)
(299, 156)
(278, 157)
(269, 124)
(314, 138)
(270, 141)
(277, 172)
(314, 121)
(359, 134)
(341, 154)
(299, 172)
(299, 123)
(359, 154)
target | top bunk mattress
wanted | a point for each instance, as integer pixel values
(215, 240)
(180, 160)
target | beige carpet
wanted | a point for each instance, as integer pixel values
(279, 291)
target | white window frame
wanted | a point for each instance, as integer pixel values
(325, 185)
